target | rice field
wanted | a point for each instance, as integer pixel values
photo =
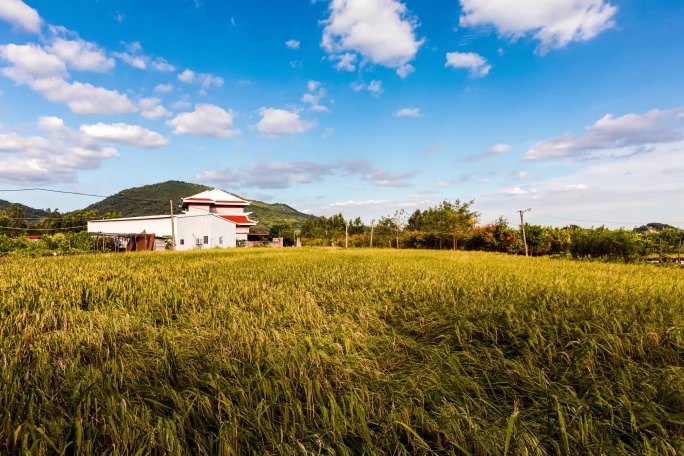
(324, 351)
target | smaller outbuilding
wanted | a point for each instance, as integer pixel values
(192, 230)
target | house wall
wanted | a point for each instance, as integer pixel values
(220, 233)
(228, 210)
(157, 226)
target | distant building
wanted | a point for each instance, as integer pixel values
(211, 219)
(225, 205)
(192, 230)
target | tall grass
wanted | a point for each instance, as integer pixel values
(299, 351)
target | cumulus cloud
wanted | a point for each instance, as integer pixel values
(49, 159)
(279, 122)
(612, 137)
(554, 23)
(278, 175)
(164, 88)
(407, 112)
(77, 53)
(30, 61)
(374, 87)
(292, 44)
(475, 63)
(21, 15)
(83, 98)
(204, 80)
(404, 70)
(46, 73)
(132, 135)
(137, 59)
(345, 62)
(314, 96)
(151, 108)
(382, 31)
(205, 120)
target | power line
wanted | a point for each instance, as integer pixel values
(79, 193)
(43, 229)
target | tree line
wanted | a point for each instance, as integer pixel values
(455, 225)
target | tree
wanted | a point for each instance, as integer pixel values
(13, 221)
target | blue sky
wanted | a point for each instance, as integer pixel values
(574, 108)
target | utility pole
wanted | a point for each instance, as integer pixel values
(173, 228)
(372, 224)
(346, 235)
(522, 225)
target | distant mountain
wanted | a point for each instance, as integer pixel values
(154, 200)
(28, 211)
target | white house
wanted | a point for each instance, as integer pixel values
(193, 230)
(227, 206)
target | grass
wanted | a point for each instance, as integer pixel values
(323, 351)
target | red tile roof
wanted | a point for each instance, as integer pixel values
(239, 219)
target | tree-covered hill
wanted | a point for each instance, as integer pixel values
(154, 200)
(28, 211)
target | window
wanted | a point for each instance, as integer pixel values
(182, 241)
(221, 240)
(206, 239)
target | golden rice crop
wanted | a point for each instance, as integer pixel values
(320, 351)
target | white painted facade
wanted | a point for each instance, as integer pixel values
(228, 206)
(193, 230)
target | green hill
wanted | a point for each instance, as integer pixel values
(28, 211)
(154, 200)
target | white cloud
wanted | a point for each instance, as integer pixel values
(52, 159)
(204, 80)
(569, 188)
(205, 120)
(81, 55)
(524, 175)
(554, 23)
(187, 76)
(630, 191)
(345, 62)
(313, 85)
(352, 203)
(132, 135)
(516, 191)
(278, 175)
(382, 31)
(30, 61)
(475, 63)
(83, 98)
(375, 88)
(151, 108)
(315, 95)
(408, 112)
(181, 104)
(46, 73)
(279, 122)
(404, 70)
(136, 61)
(135, 58)
(20, 14)
(164, 88)
(610, 136)
(496, 149)
(292, 44)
